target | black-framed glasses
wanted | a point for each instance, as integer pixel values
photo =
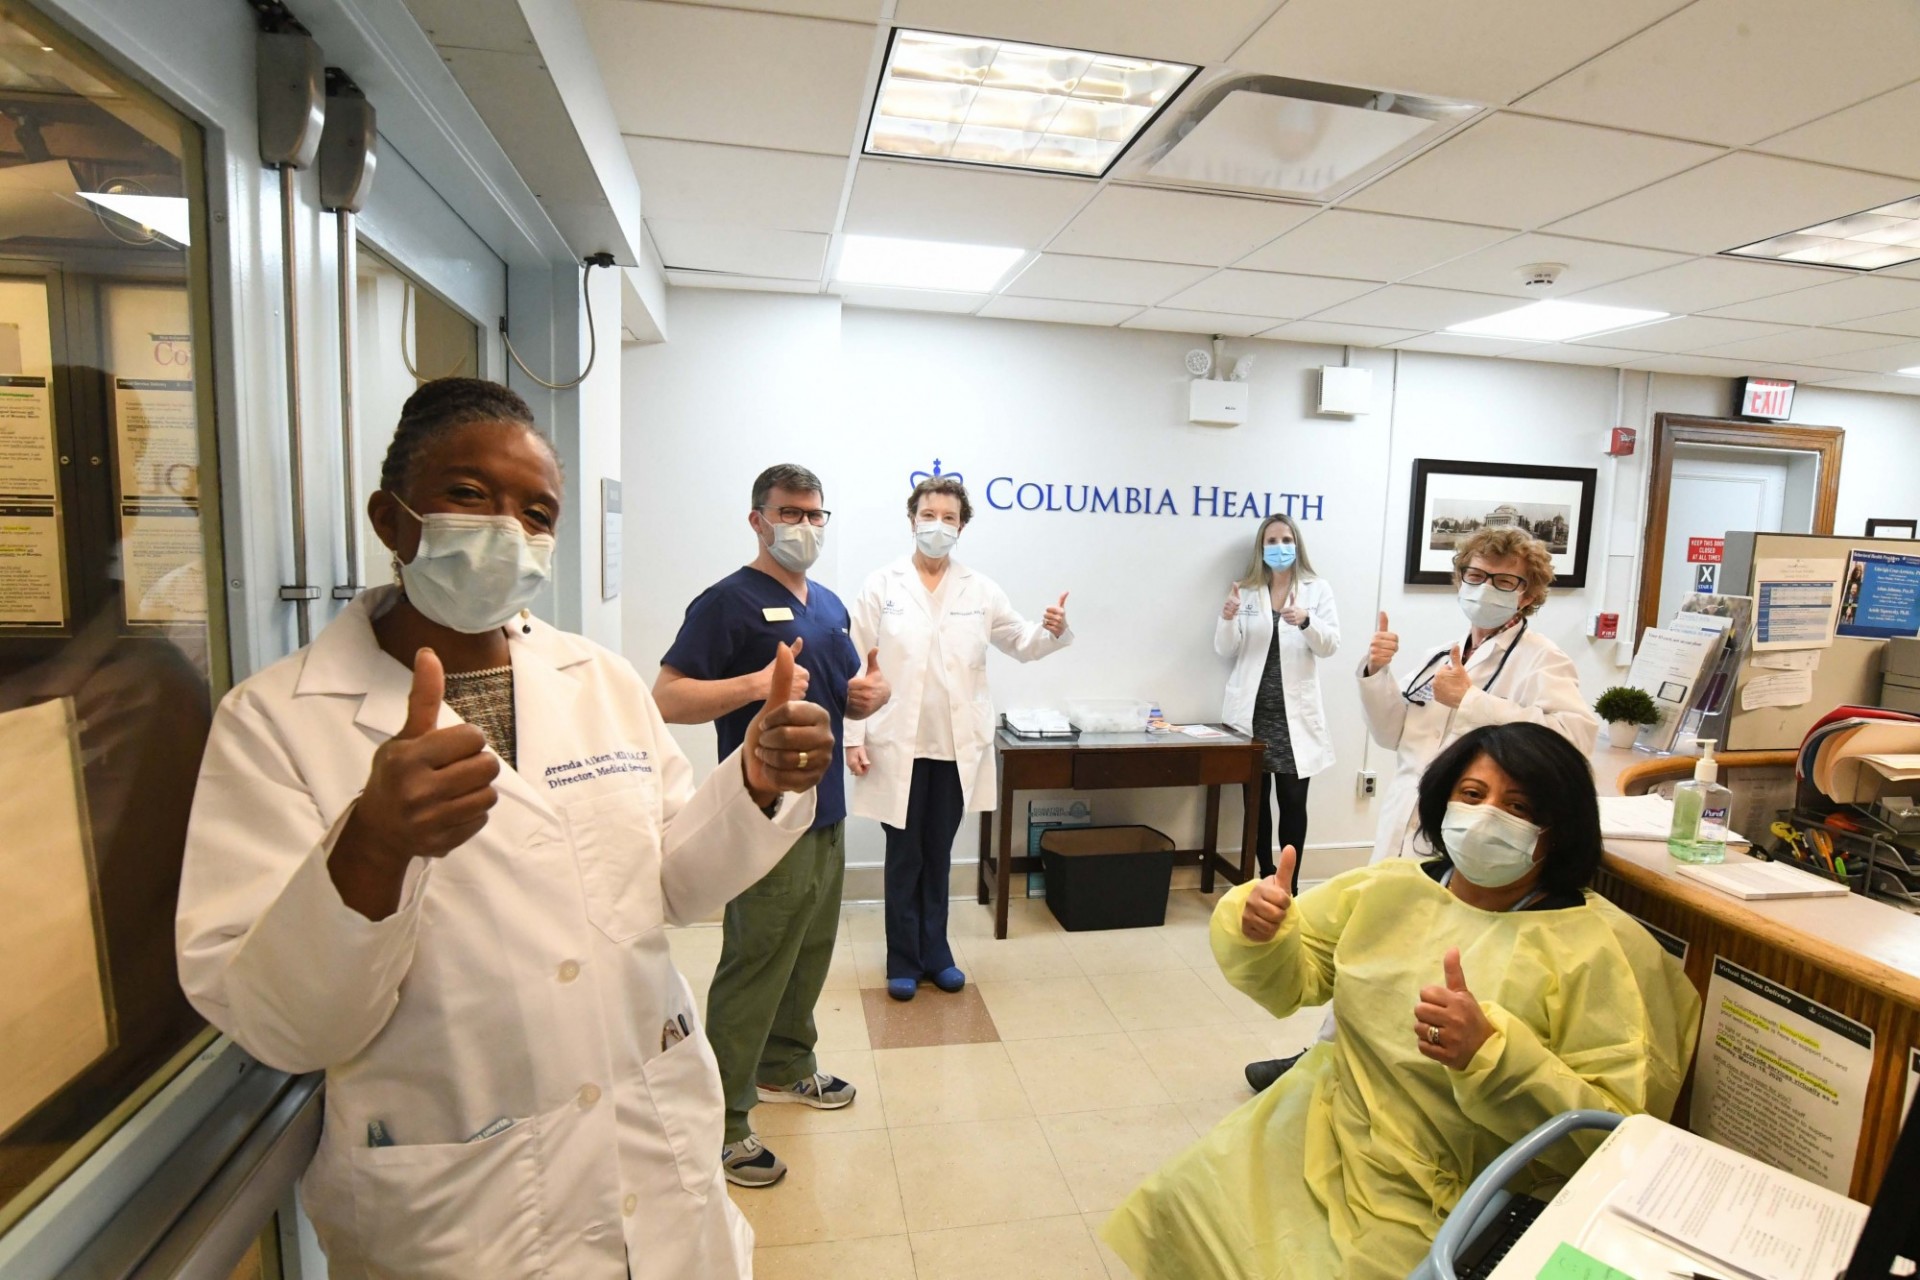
(1500, 581)
(815, 516)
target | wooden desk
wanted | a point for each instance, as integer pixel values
(1122, 762)
(1852, 954)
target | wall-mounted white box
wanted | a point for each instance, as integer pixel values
(1345, 391)
(1217, 402)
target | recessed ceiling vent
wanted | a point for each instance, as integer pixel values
(1281, 137)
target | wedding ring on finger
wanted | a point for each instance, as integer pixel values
(802, 762)
(1433, 1035)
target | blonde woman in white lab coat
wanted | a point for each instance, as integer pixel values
(925, 759)
(1279, 619)
(447, 888)
(1504, 671)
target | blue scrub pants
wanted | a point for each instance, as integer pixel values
(919, 857)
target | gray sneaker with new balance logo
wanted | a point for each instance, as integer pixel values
(819, 1091)
(747, 1163)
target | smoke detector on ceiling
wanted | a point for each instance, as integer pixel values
(1538, 277)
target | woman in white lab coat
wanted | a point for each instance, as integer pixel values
(447, 887)
(1504, 671)
(926, 758)
(1279, 619)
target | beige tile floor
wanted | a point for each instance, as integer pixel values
(980, 1161)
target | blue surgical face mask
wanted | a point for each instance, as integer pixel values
(471, 573)
(1488, 845)
(1488, 607)
(935, 538)
(1279, 555)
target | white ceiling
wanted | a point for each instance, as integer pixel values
(1633, 141)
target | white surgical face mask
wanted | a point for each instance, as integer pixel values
(472, 573)
(1488, 845)
(797, 546)
(935, 538)
(1487, 606)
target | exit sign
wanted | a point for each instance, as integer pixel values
(1769, 398)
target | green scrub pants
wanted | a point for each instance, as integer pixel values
(778, 943)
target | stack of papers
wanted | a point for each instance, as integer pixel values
(1647, 817)
(1756, 881)
(1852, 761)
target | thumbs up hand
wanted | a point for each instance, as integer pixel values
(1449, 1025)
(1055, 618)
(1268, 904)
(428, 792)
(790, 743)
(868, 693)
(1450, 682)
(1381, 651)
(1231, 610)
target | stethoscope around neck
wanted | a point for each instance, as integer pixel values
(1420, 692)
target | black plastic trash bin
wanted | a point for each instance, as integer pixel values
(1107, 877)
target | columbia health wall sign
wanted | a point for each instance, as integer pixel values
(1096, 495)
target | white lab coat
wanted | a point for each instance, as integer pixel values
(525, 976)
(1538, 685)
(892, 614)
(1246, 638)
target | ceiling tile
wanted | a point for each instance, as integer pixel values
(724, 75)
(1197, 33)
(1573, 353)
(1856, 298)
(1481, 50)
(1732, 201)
(1515, 171)
(1173, 320)
(1460, 344)
(701, 182)
(1877, 135)
(1095, 313)
(1338, 335)
(1268, 293)
(1736, 71)
(867, 295)
(737, 250)
(1705, 283)
(1068, 278)
(1904, 323)
(1369, 246)
(1587, 262)
(845, 10)
(975, 206)
(1176, 226)
(1889, 383)
(1800, 344)
(1406, 306)
(1882, 359)
(1685, 333)
(724, 280)
(1718, 367)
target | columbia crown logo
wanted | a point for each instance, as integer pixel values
(937, 474)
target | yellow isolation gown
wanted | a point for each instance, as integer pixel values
(1347, 1166)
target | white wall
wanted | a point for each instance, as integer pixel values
(866, 398)
(600, 455)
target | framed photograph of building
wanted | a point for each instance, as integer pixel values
(1453, 500)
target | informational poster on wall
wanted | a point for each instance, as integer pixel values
(1780, 1077)
(1798, 600)
(158, 441)
(27, 448)
(162, 556)
(33, 590)
(1881, 597)
(54, 1001)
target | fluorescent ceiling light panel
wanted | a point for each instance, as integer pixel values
(166, 215)
(1911, 371)
(1555, 321)
(1016, 106)
(1882, 237)
(924, 264)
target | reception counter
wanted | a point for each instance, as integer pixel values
(1852, 954)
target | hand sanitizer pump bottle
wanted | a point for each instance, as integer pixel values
(1700, 813)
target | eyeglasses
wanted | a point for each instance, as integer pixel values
(815, 516)
(1500, 581)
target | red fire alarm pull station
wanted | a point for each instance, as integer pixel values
(1606, 626)
(1620, 442)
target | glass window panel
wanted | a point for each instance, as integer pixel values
(111, 646)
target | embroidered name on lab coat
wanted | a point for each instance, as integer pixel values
(892, 608)
(600, 766)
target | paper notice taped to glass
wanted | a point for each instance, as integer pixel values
(1777, 689)
(54, 1016)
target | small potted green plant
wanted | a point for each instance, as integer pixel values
(1625, 709)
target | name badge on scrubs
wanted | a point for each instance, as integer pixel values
(777, 613)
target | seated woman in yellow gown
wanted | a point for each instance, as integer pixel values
(1477, 994)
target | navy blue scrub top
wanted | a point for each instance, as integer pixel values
(727, 633)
